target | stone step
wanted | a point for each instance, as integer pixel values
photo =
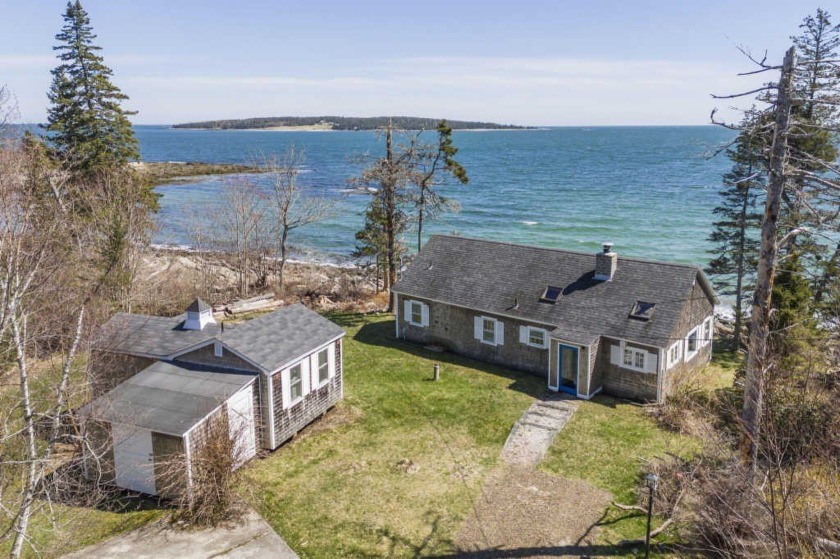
(556, 404)
(556, 413)
(542, 421)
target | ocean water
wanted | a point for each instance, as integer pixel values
(649, 190)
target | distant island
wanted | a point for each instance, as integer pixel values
(341, 123)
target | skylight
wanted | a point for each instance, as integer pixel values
(642, 310)
(551, 294)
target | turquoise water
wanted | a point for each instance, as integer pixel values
(649, 190)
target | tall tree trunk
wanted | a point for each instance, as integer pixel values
(30, 481)
(283, 238)
(390, 217)
(760, 318)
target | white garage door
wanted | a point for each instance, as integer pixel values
(241, 424)
(133, 458)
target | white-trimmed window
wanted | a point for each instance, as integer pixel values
(533, 336)
(489, 331)
(416, 313)
(633, 358)
(323, 361)
(708, 331)
(295, 383)
(692, 343)
(674, 354)
(218, 351)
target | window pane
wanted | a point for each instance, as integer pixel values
(628, 357)
(692, 342)
(640, 360)
(536, 337)
(489, 331)
(323, 365)
(416, 313)
(295, 383)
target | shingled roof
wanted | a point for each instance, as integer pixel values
(508, 279)
(275, 339)
(268, 342)
(169, 398)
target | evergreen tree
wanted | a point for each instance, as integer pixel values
(815, 142)
(90, 129)
(433, 159)
(738, 218)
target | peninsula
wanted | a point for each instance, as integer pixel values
(313, 123)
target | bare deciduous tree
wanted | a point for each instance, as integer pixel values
(293, 205)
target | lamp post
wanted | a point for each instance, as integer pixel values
(651, 480)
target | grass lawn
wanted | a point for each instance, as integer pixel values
(398, 475)
(607, 442)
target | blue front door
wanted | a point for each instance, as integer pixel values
(567, 368)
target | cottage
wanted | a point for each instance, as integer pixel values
(164, 381)
(586, 322)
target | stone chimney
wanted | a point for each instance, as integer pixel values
(199, 314)
(605, 263)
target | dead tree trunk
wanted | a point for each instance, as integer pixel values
(760, 318)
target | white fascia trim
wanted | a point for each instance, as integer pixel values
(305, 355)
(271, 436)
(217, 408)
(396, 305)
(626, 341)
(519, 318)
(206, 343)
(188, 456)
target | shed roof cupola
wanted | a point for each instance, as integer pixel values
(199, 315)
(605, 263)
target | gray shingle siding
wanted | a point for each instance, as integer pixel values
(460, 278)
(452, 327)
(287, 422)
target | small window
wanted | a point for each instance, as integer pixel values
(218, 350)
(628, 357)
(551, 294)
(488, 331)
(674, 354)
(323, 365)
(536, 337)
(416, 312)
(639, 360)
(692, 343)
(642, 310)
(296, 382)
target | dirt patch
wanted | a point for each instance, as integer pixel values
(523, 509)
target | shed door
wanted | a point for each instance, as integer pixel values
(241, 424)
(133, 458)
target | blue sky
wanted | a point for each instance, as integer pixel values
(562, 62)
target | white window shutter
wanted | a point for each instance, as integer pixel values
(650, 362)
(523, 334)
(425, 314)
(407, 310)
(304, 365)
(331, 360)
(477, 322)
(615, 355)
(284, 385)
(500, 333)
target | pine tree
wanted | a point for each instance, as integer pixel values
(815, 142)
(735, 233)
(90, 129)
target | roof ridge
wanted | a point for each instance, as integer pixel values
(568, 251)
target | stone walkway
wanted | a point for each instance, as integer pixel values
(534, 432)
(253, 539)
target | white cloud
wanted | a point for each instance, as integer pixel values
(537, 91)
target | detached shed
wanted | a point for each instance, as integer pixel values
(157, 418)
